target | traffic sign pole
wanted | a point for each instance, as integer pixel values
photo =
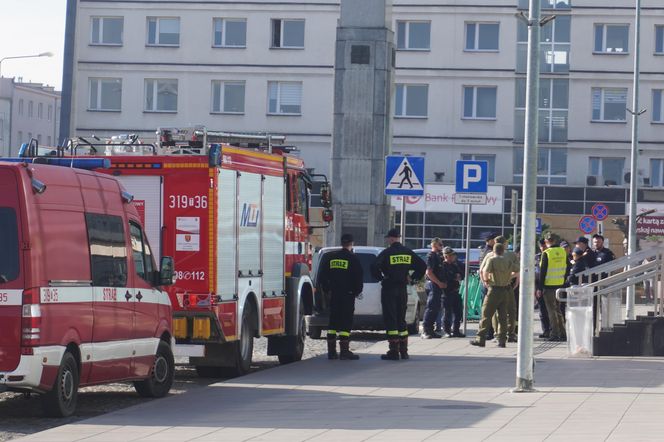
(403, 219)
(465, 273)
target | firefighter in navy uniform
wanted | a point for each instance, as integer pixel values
(392, 268)
(341, 275)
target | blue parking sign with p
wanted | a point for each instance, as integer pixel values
(472, 176)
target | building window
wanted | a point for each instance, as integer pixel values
(479, 102)
(20, 106)
(657, 116)
(612, 38)
(610, 169)
(609, 104)
(105, 94)
(31, 109)
(659, 39)
(48, 140)
(50, 112)
(411, 100)
(288, 33)
(229, 32)
(284, 97)
(228, 97)
(491, 163)
(554, 45)
(163, 31)
(551, 165)
(40, 111)
(553, 110)
(547, 4)
(107, 31)
(482, 36)
(414, 35)
(161, 95)
(657, 172)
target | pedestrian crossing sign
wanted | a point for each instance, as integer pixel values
(404, 175)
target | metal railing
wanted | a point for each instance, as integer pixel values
(607, 281)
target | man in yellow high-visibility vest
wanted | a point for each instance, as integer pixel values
(554, 268)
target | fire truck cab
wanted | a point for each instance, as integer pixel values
(80, 295)
(233, 211)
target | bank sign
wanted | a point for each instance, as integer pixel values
(440, 198)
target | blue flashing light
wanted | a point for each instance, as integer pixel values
(77, 163)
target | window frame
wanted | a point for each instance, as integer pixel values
(279, 83)
(406, 43)
(157, 43)
(155, 95)
(99, 107)
(659, 39)
(282, 30)
(100, 35)
(604, 27)
(404, 101)
(149, 266)
(657, 106)
(223, 21)
(111, 240)
(543, 111)
(476, 42)
(222, 96)
(602, 104)
(548, 178)
(474, 116)
(659, 163)
(600, 168)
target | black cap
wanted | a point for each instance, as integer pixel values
(564, 244)
(582, 239)
(490, 235)
(393, 233)
(347, 238)
(449, 251)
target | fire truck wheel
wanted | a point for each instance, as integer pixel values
(299, 342)
(245, 346)
(315, 332)
(61, 400)
(161, 376)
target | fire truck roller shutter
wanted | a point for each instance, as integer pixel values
(273, 235)
(249, 219)
(227, 224)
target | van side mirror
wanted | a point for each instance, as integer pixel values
(166, 271)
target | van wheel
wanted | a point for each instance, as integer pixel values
(414, 327)
(161, 375)
(315, 332)
(299, 341)
(61, 400)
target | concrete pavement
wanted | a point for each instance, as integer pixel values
(447, 390)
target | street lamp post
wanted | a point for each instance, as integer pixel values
(43, 54)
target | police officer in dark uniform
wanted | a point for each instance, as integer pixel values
(392, 267)
(341, 274)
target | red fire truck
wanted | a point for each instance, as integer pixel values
(233, 211)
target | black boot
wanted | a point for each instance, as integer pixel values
(403, 347)
(393, 353)
(345, 353)
(332, 347)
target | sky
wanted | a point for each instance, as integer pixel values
(29, 27)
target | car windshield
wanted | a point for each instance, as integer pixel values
(9, 258)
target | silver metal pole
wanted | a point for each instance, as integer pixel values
(516, 222)
(631, 239)
(524, 357)
(403, 219)
(465, 274)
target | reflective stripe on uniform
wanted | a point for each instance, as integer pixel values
(403, 333)
(393, 333)
(343, 333)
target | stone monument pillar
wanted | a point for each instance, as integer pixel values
(362, 136)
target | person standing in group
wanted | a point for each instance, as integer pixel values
(434, 288)
(589, 256)
(578, 266)
(543, 314)
(496, 274)
(341, 275)
(454, 273)
(489, 242)
(392, 268)
(553, 273)
(511, 304)
(602, 254)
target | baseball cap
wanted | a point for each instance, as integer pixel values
(346, 238)
(437, 240)
(564, 243)
(582, 239)
(490, 235)
(449, 251)
(578, 251)
(393, 233)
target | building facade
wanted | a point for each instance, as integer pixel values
(27, 110)
(459, 74)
